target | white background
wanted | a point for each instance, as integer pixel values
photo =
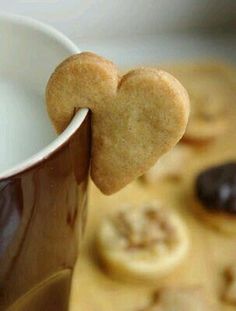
(131, 33)
(82, 19)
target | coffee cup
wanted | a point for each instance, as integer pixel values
(43, 177)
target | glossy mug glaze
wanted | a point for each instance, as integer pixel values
(43, 198)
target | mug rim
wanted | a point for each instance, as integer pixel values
(77, 120)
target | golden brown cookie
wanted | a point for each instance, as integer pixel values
(135, 118)
(211, 90)
(142, 243)
(190, 298)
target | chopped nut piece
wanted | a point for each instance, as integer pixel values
(230, 292)
(181, 299)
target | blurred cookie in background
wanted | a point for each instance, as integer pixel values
(212, 91)
(170, 166)
(142, 243)
(215, 191)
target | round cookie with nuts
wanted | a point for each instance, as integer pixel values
(143, 243)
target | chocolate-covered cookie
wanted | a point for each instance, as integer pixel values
(216, 195)
(216, 188)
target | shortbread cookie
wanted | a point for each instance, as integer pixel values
(230, 291)
(190, 298)
(212, 92)
(141, 243)
(171, 165)
(216, 197)
(135, 118)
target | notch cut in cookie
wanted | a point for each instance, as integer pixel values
(135, 118)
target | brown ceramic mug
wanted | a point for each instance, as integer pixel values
(43, 178)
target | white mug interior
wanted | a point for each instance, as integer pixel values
(29, 53)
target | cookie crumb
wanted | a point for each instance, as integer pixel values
(192, 298)
(230, 291)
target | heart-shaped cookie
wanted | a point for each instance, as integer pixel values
(135, 119)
